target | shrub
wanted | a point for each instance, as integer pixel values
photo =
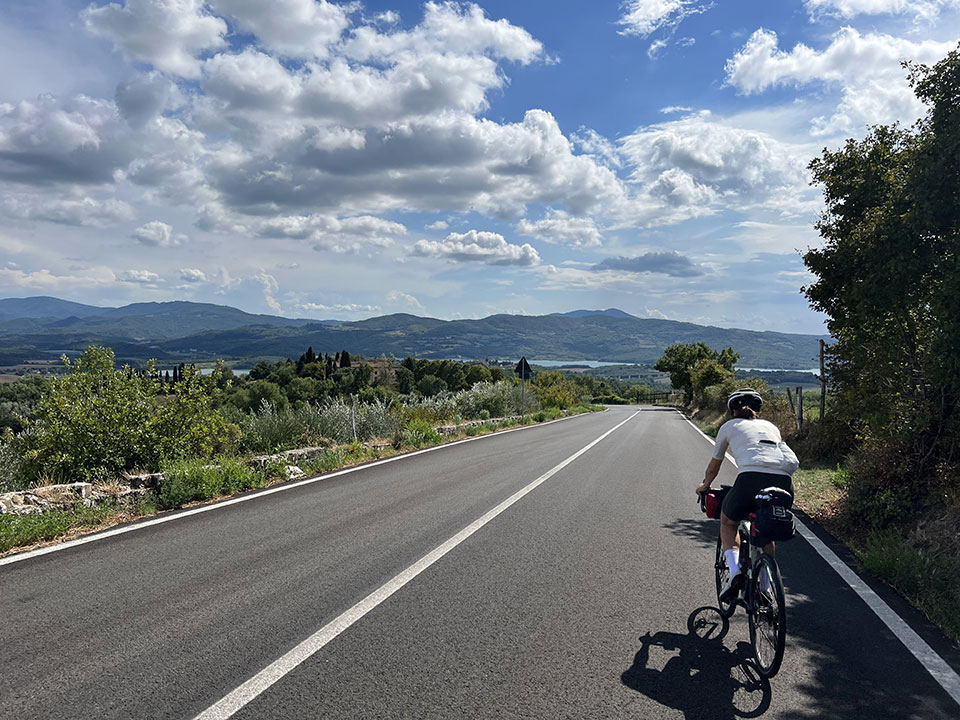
(489, 399)
(187, 480)
(97, 421)
(554, 389)
(419, 432)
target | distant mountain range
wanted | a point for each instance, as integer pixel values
(44, 327)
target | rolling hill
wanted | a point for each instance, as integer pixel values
(198, 331)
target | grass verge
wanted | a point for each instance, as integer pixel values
(195, 482)
(24, 531)
(931, 583)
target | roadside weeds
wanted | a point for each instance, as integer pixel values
(198, 483)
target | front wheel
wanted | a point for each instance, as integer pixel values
(768, 616)
(723, 574)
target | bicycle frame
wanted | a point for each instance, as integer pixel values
(747, 562)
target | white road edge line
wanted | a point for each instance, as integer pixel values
(928, 657)
(253, 687)
(20, 557)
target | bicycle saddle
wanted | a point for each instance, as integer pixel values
(774, 496)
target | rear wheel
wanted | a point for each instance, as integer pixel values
(723, 574)
(768, 617)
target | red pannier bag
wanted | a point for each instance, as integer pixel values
(713, 500)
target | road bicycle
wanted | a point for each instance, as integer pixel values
(762, 595)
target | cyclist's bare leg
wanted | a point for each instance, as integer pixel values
(729, 533)
(770, 548)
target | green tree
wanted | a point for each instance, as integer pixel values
(555, 389)
(430, 385)
(405, 379)
(888, 277)
(98, 421)
(680, 359)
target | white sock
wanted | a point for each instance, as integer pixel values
(764, 581)
(733, 560)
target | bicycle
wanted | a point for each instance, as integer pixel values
(762, 595)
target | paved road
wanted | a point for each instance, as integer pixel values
(576, 602)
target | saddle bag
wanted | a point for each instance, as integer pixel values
(773, 520)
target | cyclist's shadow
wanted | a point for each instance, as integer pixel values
(702, 677)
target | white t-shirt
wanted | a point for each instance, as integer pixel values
(756, 445)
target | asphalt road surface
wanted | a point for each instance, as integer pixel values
(591, 596)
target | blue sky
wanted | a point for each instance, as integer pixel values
(346, 160)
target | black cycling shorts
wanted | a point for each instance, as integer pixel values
(740, 500)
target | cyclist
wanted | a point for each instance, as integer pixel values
(763, 459)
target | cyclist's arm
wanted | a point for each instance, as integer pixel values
(710, 474)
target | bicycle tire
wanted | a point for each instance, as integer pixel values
(723, 574)
(768, 617)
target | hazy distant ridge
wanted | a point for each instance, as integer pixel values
(202, 330)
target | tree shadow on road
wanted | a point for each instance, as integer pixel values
(703, 532)
(701, 676)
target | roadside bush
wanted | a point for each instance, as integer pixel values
(880, 492)
(610, 400)
(187, 480)
(13, 475)
(486, 400)
(437, 410)
(98, 421)
(419, 432)
(554, 389)
(828, 440)
(271, 429)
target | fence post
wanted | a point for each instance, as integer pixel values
(353, 416)
(799, 408)
(823, 381)
(793, 408)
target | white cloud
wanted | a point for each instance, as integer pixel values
(866, 69)
(478, 246)
(82, 140)
(338, 308)
(398, 296)
(49, 282)
(644, 17)
(351, 234)
(922, 9)
(592, 143)
(79, 211)
(158, 234)
(167, 34)
(192, 275)
(438, 225)
(141, 277)
(270, 289)
(655, 47)
(444, 162)
(701, 163)
(292, 28)
(446, 26)
(564, 229)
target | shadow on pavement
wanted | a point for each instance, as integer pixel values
(696, 673)
(858, 669)
(702, 530)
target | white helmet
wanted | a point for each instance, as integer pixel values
(745, 396)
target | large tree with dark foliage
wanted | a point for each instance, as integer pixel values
(888, 278)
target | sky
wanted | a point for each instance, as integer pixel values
(455, 160)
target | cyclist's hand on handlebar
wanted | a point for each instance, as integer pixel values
(702, 488)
